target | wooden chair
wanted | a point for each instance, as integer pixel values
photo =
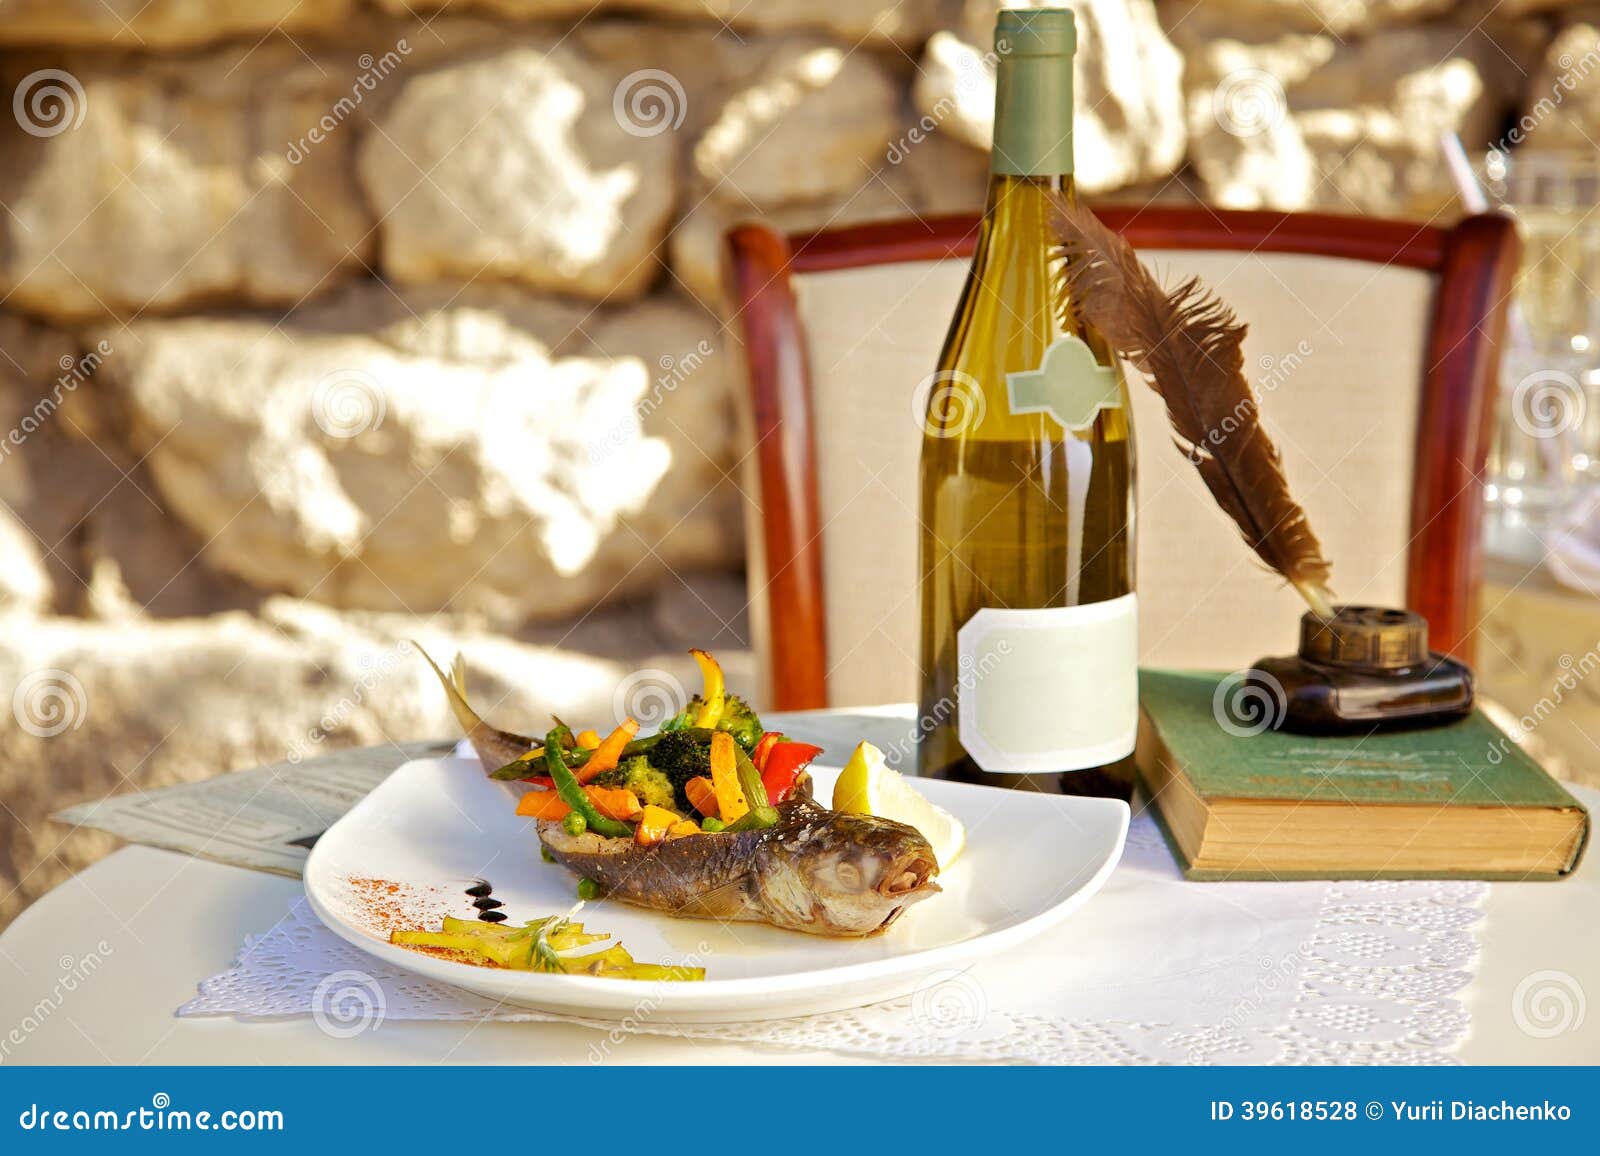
(1373, 343)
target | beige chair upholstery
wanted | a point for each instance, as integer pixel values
(1336, 349)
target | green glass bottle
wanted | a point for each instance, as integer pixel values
(1029, 623)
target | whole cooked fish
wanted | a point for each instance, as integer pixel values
(821, 871)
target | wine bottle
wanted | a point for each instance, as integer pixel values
(1029, 623)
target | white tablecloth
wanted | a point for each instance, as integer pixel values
(132, 936)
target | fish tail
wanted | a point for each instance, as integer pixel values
(455, 689)
(496, 748)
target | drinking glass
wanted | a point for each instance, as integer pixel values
(1547, 439)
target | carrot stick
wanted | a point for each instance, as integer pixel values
(609, 752)
(702, 795)
(542, 805)
(615, 802)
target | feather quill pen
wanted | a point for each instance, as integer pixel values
(1190, 347)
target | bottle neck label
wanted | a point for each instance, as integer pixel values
(1033, 117)
(1070, 385)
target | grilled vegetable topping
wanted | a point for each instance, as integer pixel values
(571, 791)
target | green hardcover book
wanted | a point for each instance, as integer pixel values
(1460, 801)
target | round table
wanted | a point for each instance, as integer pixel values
(179, 920)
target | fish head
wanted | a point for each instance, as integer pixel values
(853, 874)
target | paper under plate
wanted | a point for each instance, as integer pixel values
(1031, 860)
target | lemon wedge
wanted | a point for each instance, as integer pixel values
(869, 786)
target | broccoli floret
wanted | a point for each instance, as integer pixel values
(681, 756)
(661, 782)
(737, 719)
(615, 777)
(740, 722)
(652, 786)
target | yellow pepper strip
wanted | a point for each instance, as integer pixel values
(588, 740)
(654, 823)
(731, 803)
(711, 697)
(684, 827)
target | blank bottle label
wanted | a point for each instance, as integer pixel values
(1049, 690)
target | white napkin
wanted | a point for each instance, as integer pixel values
(1154, 969)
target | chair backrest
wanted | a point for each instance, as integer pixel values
(1373, 345)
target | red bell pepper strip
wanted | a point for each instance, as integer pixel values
(784, 762)
(768, 740)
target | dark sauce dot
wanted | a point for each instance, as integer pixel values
(480, 889)
(487, 904)
(493, 916)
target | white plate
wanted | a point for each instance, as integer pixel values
(1030, 861)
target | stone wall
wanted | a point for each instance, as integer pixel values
(329, 323)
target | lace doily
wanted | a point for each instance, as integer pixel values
(1153, 970)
